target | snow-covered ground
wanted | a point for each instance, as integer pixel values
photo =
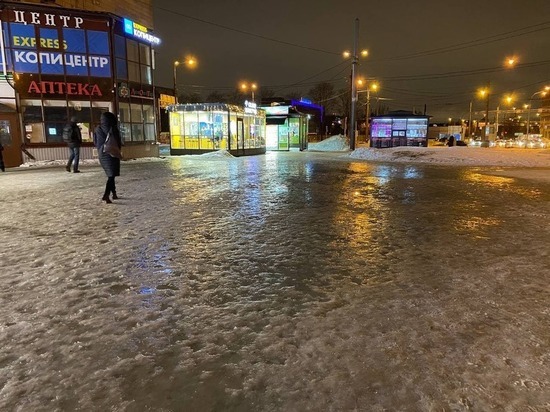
(300, 281)
(457, 155)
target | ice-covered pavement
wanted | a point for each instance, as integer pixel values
(291, 281)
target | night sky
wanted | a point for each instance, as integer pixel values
(424, 52)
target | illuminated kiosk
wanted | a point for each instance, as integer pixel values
(399, 128)
(286, 128)
(205, 127)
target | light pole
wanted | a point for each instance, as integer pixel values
(252, 86)
(374, 87)
(354, 60)
(542, 93)
(190, 62)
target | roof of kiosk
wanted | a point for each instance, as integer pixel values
(195, 107)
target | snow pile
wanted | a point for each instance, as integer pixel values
(458, 155)
(86, 162)
(217, 153)
(337, 143)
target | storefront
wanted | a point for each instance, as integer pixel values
(286, 128)
(399, 128)
(206, 127)
(58, 63)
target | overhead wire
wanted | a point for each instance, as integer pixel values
(259, 36)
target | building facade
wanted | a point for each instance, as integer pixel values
(56, 63)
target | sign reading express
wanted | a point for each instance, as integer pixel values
(59, 44)
(139, 31)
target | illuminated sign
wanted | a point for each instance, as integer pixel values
(58, 44)
(276, 110)
(250, 107)
(139, 31)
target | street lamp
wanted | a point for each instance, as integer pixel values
(370, 87)
(354, 60)
(542, 93)
(484, 94)
(252, 86)
(190, 62)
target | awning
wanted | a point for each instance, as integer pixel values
(275, 120)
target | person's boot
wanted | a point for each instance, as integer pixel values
(106, 199)
(115, 197)
(68, 168)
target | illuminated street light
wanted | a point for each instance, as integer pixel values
(190, 62)
(373, 86)
(252, 86)
(542, 93)
(511, 61)
(354, 59)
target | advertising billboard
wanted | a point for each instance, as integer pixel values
(56, 43)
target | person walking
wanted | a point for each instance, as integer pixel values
(73, 137)
(108, 142)
(2, 166)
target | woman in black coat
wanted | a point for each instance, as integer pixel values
(110, 164)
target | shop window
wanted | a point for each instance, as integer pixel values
(78, 68)
(146, 77)
(74, 40)
(149, 129)
(125, 131)
(83, 113)
(145, 54)
(148, 114)
(124, 112)
(133, 72)
(32, 114)
(34, 132)
(98, 42)
(121, 69)
(137, 132)
(55, 114)
(136, 113)
(132, 50)
(120, 47)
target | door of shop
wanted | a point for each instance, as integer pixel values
(10, 137)
(240, 135)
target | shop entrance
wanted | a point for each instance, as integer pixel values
(240, 134)
(10, 137)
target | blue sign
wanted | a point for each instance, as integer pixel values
(58, 51)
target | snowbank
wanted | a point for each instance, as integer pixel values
(337, 143)
(458, 155)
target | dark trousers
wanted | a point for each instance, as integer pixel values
(110, 187)
(74, 154)
(2, 167)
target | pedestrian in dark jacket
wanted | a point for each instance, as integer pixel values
(73, 137)
(2, 166)
(110, 164)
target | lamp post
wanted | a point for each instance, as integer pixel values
(374, 87)
(354, 61)
(542, 93)
(253, 86)
(190, 62)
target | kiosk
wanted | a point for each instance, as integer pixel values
(199, 128)
(286, 128)
(400, 128)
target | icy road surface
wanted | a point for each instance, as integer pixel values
(284, 282)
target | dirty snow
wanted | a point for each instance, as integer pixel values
(284, 282)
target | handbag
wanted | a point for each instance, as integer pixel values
(111, 146)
